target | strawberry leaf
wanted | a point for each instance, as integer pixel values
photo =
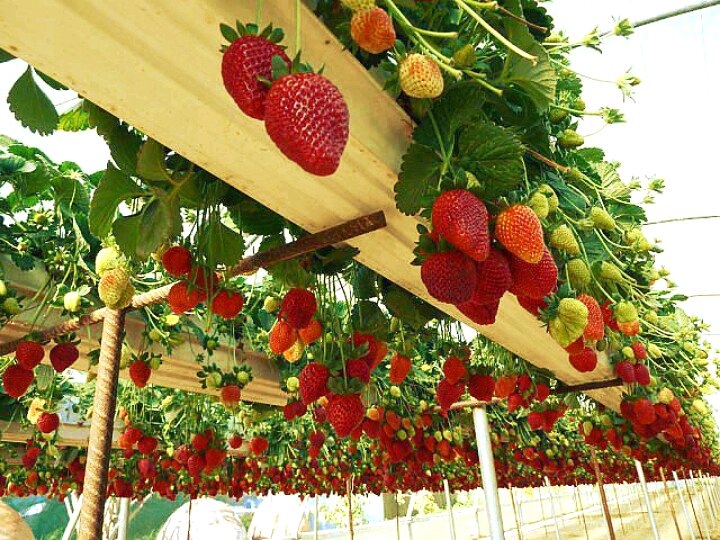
(419, 172)
(114, 188)
(219, 243)
(31, 107)
(229, 32)
(74, 119)
(538, 81)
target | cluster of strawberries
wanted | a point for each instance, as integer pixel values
(197, 285)
(305, 114)
(296, 326)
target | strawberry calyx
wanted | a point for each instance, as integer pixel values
(275, 35)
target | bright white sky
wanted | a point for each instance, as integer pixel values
(671, 129)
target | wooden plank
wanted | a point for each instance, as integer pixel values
(156, 65)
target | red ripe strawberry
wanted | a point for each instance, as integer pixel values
(642, 374)
(230, 394)
(542, 391)
(358, 368)
(147, 445)
(372, 30)
(644, 411)
(449, 277)
(196, 465)
(181, 298)
(481, 387)
(258, 445)
(227, 304)
(133, 434)
(576, 347)
(462, 219)
(29, 354)
(447, 393)
(177, 261)
(454, 369)
(213, 459)
(519, 230)
(482, 314)
(307, 118)
(313, 382)
(247, 59)
(63, 355)
(531, 304)
(298, 307)
(311, 333)
(146, 467)
(535, 420)
(533, 280)
(199, 442)
(609, 315)
(30, 457)
(48, 422)
(345, 412)
(625, 371)
(515, 401)
(400, 366)
(595, 328)
(494, 278)
(235, 441)
(140, 373)
(16, 380)
(524, 383)
(585, 361)
(639, 350)
(282, 337)
(630, 328)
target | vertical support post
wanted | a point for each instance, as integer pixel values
(670, 503)
(515, 511)
(477, 512)
(123, 518)
(684, 507)
(542, 509)
(603, 500)
(617, 503)
(552, 508)
(702, 504)
(487, 468)
(709, 503)
(101, 428)
(692, 504)
(582, 510)
(350, 516)
(316, 525)
(648, 503)
(448, 503)
(73, 520)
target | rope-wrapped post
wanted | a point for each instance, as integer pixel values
(101, 428)
(601, 488)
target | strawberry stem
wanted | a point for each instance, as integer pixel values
(297, 26)
(258, 12)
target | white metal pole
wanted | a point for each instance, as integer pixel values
(552, 508)
(448, 502)
(700, 503)
(684, 507)
(706, 495)
(316, 525)
(487, 468)
(648, 503)
(73, 520)
(123, 518)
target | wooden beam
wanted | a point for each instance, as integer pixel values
(156, 66)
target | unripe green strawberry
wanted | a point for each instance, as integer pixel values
(699, 407)
(601, 219)
(155, 362)
(358, 5)
(578, 104)
(563, 238)
(271, 303)
(107, 259)
(557, 115)
(666, 396)
(587, 427)
(3, 288)
(293, 384)
(465, 56)
(625, 312)
(72, 301)
(11, 306)
(570, 139)
(243, 377)
(651, 317)
(213, 380)
(654, 351)
(125, 356)
(628, 352)
(573, 312)
(579, 273)
(610, 272)
(113, 288)
(552, 197)
(539, 204)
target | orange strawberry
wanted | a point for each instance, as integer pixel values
(282, 337)
(520, 231)
(312, 332)
(372, 30)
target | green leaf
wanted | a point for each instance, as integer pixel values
(404, 306)
(158, 223)
(32, 108)
(11, 164)
(71, 195)
(420, 170)
(124, 145)
(126, 230)
(151, 162)
(287, 273)
(74, 119)
(459, 105)
(494, 156)
(228, 32)
(219, 243)
(367, 317)
(114, 188)
(539, 81)
(5, 56)
(590, 154)
(52, 83)
(364, 283)
(100, 119)
(611, 184)
(253, 218)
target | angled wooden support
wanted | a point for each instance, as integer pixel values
(306, 244)
(564, 389)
